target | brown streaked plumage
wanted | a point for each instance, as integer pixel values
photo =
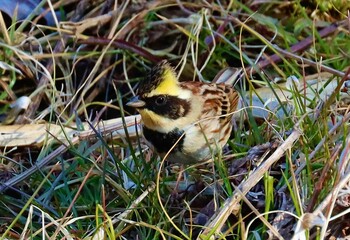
(194, 115)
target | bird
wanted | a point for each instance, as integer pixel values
(185, 122)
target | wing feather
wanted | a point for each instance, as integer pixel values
(220, 101)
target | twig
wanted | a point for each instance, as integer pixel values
(122, 44)
(300, 46)
(217, 220)
(310, 62)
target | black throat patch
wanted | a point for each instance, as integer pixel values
(163, 142)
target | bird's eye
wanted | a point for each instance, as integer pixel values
(161, 100)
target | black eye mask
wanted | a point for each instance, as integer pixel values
(168, 106)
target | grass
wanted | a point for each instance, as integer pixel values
(284, 171)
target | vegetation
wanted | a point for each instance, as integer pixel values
(73, 164)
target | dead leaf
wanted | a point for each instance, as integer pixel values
(37, 134)
(24, 8)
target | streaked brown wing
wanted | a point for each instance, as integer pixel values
(219, 101)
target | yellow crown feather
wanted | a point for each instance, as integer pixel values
(169, 84)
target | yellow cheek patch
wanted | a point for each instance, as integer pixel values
(150, 119)
(169, 85)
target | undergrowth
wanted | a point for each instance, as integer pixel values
(90, 178)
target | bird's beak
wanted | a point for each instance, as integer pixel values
(136, 102)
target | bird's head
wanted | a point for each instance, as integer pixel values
(160, 98)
